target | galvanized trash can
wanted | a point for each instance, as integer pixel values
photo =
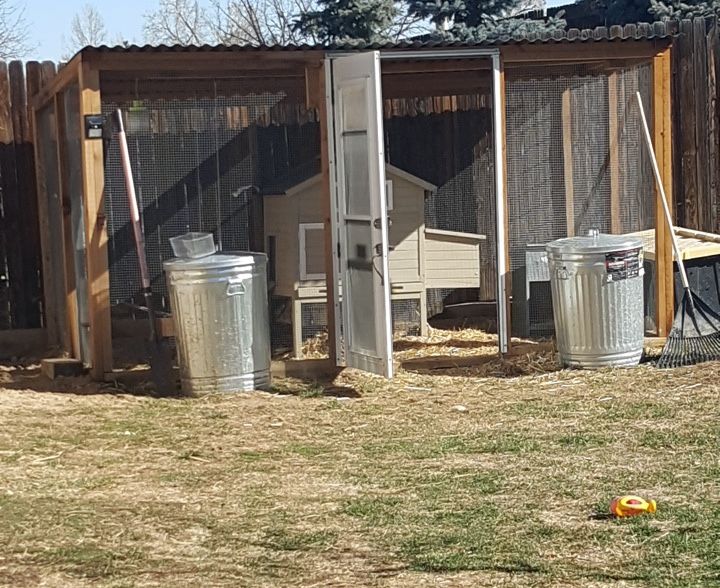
(222, 325)
(597, 292)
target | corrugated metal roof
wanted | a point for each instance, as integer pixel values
(630, 32)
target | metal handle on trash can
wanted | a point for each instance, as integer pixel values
(235, 287)
(563, 273)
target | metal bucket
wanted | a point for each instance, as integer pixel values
(222, 324)
(597, 291)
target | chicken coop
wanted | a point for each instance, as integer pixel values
(388, 185)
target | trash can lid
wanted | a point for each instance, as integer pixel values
(595, 242)
(224, 260)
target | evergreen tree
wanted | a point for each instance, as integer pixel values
(684, 8)
(627, 11)
(481, 20)
(348, 21)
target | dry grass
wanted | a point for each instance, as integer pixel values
(481, 475)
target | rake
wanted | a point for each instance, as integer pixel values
(695, 333)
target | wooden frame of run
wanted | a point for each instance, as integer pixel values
(92, 69)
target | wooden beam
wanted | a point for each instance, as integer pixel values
(662, 131)
(418, 85)
(98, 275)
(16, 343)
(579, 52)
(397, 66)
(568, 162)
(326, 196)
(71, 336)
(616, 224)
(189, 61)
(127, 89)
(67, 74)
(312, 86)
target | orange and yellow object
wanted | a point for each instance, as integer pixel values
(630, 506)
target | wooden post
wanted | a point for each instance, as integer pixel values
(568, 162)
(95, 229)
(71, 336)
(327, 211)
(662, 141)
(616, 224)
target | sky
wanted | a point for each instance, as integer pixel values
(50, 20)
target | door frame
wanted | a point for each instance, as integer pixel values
(498, 111)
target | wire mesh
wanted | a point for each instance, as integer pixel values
(447, 141)
(575, 162)
(405, 318)
(200, 163)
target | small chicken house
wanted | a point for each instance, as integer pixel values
(420, 257)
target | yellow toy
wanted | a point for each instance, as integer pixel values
(630, 506)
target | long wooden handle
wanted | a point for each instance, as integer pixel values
(138, 233)
(661, 189)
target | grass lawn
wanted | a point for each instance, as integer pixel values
(452, 478)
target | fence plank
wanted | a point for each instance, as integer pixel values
(686, 113)
(11, 203)
(713, 45)
(51, 268)
(28, 237)
(700, 83)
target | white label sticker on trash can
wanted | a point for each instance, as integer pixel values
(621, 265)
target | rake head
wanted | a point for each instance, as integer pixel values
(695, 335)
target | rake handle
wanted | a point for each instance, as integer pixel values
(138, 232)
(661, 189)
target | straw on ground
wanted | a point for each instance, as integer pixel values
(362, 482)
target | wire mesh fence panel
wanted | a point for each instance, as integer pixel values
(575, 162)
(197, 167)
(446, 140)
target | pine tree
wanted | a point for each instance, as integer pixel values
(462, 13)
(348, 21)
(481, 20)
(684, 8)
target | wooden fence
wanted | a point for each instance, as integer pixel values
(696, 124)
(21, 298)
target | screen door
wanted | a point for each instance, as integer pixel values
(361, 213)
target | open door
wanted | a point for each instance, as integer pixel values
(361, 231)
